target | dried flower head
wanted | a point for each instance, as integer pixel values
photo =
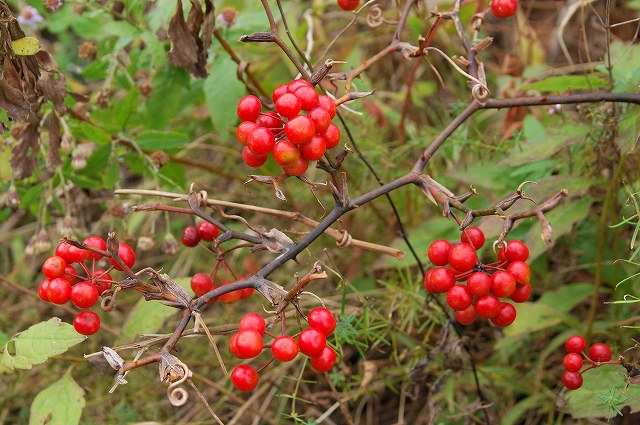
(87, 50)
(227, 16)
(53, 5)
(30, 16)
(146, 243)
(170, 245)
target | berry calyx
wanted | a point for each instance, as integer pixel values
(322, 319)
(438, 252)
(600, 352)
(284, 348)
(244, 377)
(325, 361)
(575, 344)
(86, 322)
(311, 342)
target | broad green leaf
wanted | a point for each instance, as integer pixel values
(566, 297)
(540, 145)
(161, 140)
(564, 83)
(59, 404)
(95, 134)
(585, 402)
(221, 89)
(4, 338)
(534, 131)
(517, 412)
(39, 342)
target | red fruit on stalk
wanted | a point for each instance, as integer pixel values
(249, 108)
(102, 281)
(207, 231)
(321, 119)
(521, 294)
(487, 306)
(516, 251)
(441, 280)
(190, 236)
(573, 362)
(502, 284)
(466, 316)
(284, 348)
(62, 251)
(126, 254)
(504, 8)
(297, 168)
(285, 153)
(473, 236)
(314, 149)
(331, 136)
(325, 361)
(279, 91)
(84, 295)
(459, 297)
(520, 271)
(462, 257)
(299, 130)
(308, 97)
(575, 344)
(323, 320)
(251, 159)
(77, 255)
(59, 290)
(438, 252)
(296, 84)
(348, 4)
(53, 267)
(244, 130)
(427, 282)
(600, 352)
(572, 380)
(86, 322)
(95, 242)
(253, 322)
(479, 283)
(244, 378)
(506, 316)
(70, 274)
(288, 105)
(326, 103)
(42, 290)
(248, 344)
(261, 141)
(311, 342)
(201, 283)
(271, 121)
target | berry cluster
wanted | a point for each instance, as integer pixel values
(599, 354)
(292, 137)
(485, 283)
(192, 235)
(248, 343)
(504, 8)
(63, 283)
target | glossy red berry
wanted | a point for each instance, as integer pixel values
(325, 361)
(467, 316)
(311, 342)
(308, 97)
(207, 231)
(249, 108)
(473, 236)
(253, 322)
(331, 136)
(326, 103)
(438, 252)
(479, 283)
(442, 279)
(53, 267)
(42, 290)
(427, 281)
(600, 352)
(84, 295)
(462, 257)
(59, 290)
(244, 130)
(502, 284)
(77, 255)
(95, 242)
(244, 378)
(201, 283)
(190, 236)
(296, 84)
(299, 130)
(271, 121)
(285, 152)
(86, 322)
(520, 271)
(126, 254)
(279, 91)
(575, 344)
(516, 251)
(288, 105)
(284, 348)
(251, 159)
(459, 297)
(348, 4)
(248, 344)
(521, 294)
(230, 297)
(572, 362)
(70, 274)
(261, 141)
(506, 316)
(102, 281)
(297, 168)
(321, 119)
(314, 149)
(572, 380)
(487, 306)
(246, 292)
(62, 251)
(322, 319)
(504, 8)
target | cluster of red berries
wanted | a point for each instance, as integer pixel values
(248, 343)
(504, 8)
(63, 283)
(485, 283)
(192, 235)
(348, 4)
(201, 283)
(292, 137)
(599, 354)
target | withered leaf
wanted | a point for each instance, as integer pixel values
(209, 24)
(185, 51)
(14, 102)
(23, 156)
(55, 137)
(53, 89)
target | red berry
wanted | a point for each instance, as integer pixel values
(572, 380)
(521, 294)
(296, 84)
(244, 130)
(300, 129)
(59, 290)
(506, 316)
(126, 254)
(62, 251)
(251, 159)
(190, 236)
(311, 342)
(77, 255)
(285, 152)
(575, 344)
(502, 284)
(271, 121)
(261, 141)
(600, 352)
(70, 274)
(288, 105)
(331, 136)
(207, 231)
(249, 108)
(473, 236)
(516, 251)
(325, 361)
(504, 8)
(244, 378)
(326, 103)
(102, 281)
(201, 284)
(42, 290)
(95, 242)
(572, 362)
(438, 252)
(348, 4)
(279, 91)
(442, 279)
(253, 322)
(502, 255)
(230, 297)
(321, 119)
(248, 344)
(467, 316)
(322, 319)
(462, 257)
(246, 292)
(479, 283)
(53, 267)
(314, 149)
(297, 168)
(284, 348)
(487, 306)
(84, 295)
(520, 271)
(459, 297)
(86, 322)
(308, 97)
(427, 282)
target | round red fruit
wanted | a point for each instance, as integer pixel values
(62, 251)
(70, 274)
(126, 254)
(230, 297)
(442, 279)
(487, 306)
(311, 342)
(572, 380)
(261, 141)
(462, 257)
(325, 361)
(102, 281)
(438, 252)
(572, 362)
(467, 316)
(322, 319)
(207, 231)
(279, 91)
(521, 294)
(459, 297)
(331, 136)
(298, 168)
(502, 284)
(53, 267)
(308, 97)
(326, 103)
(190, 236)
(520, 271)
(253, 322)
(95, 242)
(348, 4)
(296, 84)
(427, 282)
(285, 152)
(600, 352)
(59, 290)
(271, 121)
(314, 149)
(473, 236)
(288, 105)
(84, 295)
(86, 322)
(248, 344)
(201, 283)
(42, 290)
(246, 292)
(244, 130)
(321, 119)
(251, 159)
(77, 255)
(479, 283)
(299, 130)
(576, 344)
(249, 108)
(506, 316)
(504, 8)
(244, 378)
(516, 251)
(284, 348)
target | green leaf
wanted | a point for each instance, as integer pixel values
(222, 89)
(534, 131)
(586, 403)
(39, 342)
(59, 404)
(564, 83)
(161, 140)
(95, 134)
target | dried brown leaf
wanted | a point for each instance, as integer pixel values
(14, 102)
(23, 156)
(186, 49)
(55, 137)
